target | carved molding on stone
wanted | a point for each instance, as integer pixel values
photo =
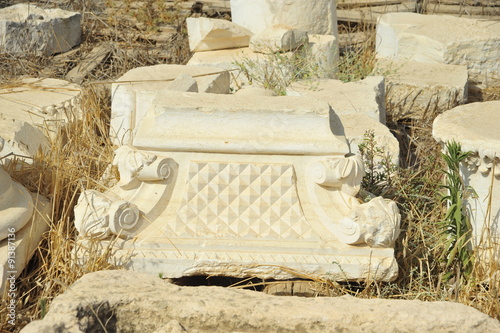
(375, 223)
(134, 166)
(98, 216)
(484, 163)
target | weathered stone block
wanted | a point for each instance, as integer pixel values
(476, 127)
(32, 109)
(205, 172)
(133, 93)
(315, 17)
(278, 38)
(361, 97)
(206, 34)
(132, 301)
(24, 218)
(27, 28)
(443, 39)
(325, 51)
(416, 89)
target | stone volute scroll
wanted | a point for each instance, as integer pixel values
(100, 215)
(238, 186)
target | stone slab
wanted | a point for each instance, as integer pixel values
(476, 127)
(366, 96)
(278, 38)
(206, 34)
(417, 90)
(314, 17)
(133, 301)
(443, 39)
(27, 28)
(31, 109)
(133, 93)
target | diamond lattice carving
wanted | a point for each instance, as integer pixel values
(244, 200)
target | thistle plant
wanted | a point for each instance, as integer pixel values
(456, 226)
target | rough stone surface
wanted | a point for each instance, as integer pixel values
(206, 34)
(134, 302)
(356, 126)
(226, 59)
(32, 108)
(415, 89)
(27, 28)
(443, 39)
(476, 127)
(278, 38)
(269, 177)
(184, 82)
(133, 93)
(325, 50)
(24, 218)
(315, 17)
(362, 97)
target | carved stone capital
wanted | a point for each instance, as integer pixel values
(135, 165)
(375, 223)
(98, 216)
(484, 164)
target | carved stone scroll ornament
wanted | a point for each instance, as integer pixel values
(484, 163)
(98, 216)
(139, 166)
(375, 223)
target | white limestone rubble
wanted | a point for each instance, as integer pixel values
(206, 34)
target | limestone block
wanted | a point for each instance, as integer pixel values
(278, 38)
(135, 302)
(133, 93)
(227, 59)
(315, 17)
(476, 127)
(257, 92)
(206, 34)
(23, 221)
(31, 110)
(415, 89)
(361, 97)
(184, 82)
(26, 28)
(325, 51)
(356, 127)
(264, 175)
(443, 39)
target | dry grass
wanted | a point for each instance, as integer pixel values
(79, 157)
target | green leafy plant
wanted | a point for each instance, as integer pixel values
(378, 165)
(456, 226)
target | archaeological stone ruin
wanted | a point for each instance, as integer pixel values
(216, 172)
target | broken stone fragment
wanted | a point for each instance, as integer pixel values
(443, 39)
(315, 17)
(184, 82)
(279, 38)
(26, 28)
(206, 34)
(366, 96)
(133, 93)
(415, 89)
(32, 109)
